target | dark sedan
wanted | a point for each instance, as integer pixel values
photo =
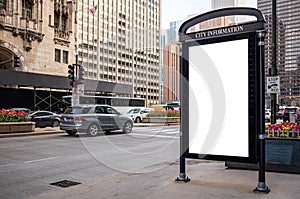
(44, 119)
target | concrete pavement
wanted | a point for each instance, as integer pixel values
(209, 180)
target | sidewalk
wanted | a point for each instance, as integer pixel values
(209, 180)
(36, 132)
(56, 130)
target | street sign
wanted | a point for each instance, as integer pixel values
(273, 84)
(80, 88)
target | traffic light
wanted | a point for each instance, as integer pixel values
(81, 73)
(17, 61)
(72, 83)
(71, 72)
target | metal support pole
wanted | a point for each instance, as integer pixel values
(34, 98)
(50, 100)
(274, 61)
(261, 187)
(76, 67)
(182, 176)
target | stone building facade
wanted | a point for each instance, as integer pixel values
(39, 33)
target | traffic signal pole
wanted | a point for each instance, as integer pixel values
(76, 70)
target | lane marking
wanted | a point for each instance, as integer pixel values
(39, 160)
(7, 165)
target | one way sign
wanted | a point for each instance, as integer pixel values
(273, 84)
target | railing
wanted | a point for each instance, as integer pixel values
(283, 130)
(61, 34)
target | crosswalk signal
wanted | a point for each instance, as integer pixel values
(17, 61)
(72, 83)
(71, 72)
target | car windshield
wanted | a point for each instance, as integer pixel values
(134, 111)
(77, 110)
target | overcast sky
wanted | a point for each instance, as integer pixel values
(174, 10)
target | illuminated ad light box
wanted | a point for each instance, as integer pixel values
(221, 93)
(218, 99)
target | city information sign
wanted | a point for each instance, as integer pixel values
(222, 88)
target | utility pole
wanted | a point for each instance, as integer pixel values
(274, 61)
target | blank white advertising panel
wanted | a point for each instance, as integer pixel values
(218, 99)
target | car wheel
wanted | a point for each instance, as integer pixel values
(71, 132)
(55, 123)
(138, 120)
(127, 127)
(93, 129)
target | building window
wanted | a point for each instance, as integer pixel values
(64, 23)
(27, 9)
(65, 57)
(3, 4)
(56, 20)
(57, 55)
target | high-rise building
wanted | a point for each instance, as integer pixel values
(117, 42)
(217, 4)
(172, 32)
(288, 47)
(171, 59)
(120, 42)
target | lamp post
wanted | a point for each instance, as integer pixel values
(274, 61)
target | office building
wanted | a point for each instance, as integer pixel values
(171, 60)
(117, 43)
(288, 48)
(120, 42)
(217, 4)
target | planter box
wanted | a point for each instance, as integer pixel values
(10, 127)
(282, 155)
(4, 128)
(166, 120)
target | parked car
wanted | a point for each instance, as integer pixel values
(93, 119)
(289, 110)
(138, 114)
(44, 119)
(280, 112)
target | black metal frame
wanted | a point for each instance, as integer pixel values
(253, 97)
(254, 32)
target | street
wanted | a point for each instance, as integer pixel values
(28, 165)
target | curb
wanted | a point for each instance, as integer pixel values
(27, 134)
(45, 132)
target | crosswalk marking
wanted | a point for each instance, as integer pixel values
(168, 132)
(155, 135)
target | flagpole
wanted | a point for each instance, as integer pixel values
(98, 40)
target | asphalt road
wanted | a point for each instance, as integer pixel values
(28, 165)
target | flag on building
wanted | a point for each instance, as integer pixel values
(93, 9)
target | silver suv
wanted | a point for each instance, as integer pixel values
(93, 119)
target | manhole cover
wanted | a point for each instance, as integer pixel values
(65, 183)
